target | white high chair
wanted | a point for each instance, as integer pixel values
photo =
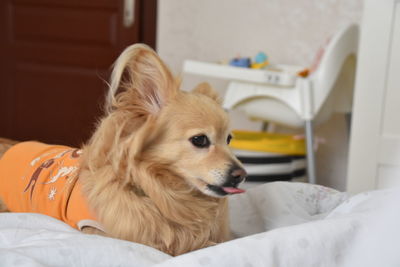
(283, 97)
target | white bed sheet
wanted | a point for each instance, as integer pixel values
(275, 224)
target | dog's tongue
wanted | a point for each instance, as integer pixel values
(233, 190)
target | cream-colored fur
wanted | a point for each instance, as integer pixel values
(142, 176)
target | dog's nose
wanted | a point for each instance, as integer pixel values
(238, 175)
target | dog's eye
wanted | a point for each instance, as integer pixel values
(200, 141)
(228, 140)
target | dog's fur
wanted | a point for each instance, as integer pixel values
(140, 172)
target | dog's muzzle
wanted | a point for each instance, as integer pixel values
(235, 176)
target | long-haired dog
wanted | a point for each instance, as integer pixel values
(156, 170)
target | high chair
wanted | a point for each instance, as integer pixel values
(282, 96)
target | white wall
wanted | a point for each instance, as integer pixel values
(290, 32)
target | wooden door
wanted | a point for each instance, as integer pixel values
(55, 56)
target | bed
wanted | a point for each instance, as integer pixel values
(274, 224)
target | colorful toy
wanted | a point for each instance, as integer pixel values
(260, 61)
(304, 73)
(240, 62)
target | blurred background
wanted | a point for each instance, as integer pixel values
(56, 56)
(289, 32)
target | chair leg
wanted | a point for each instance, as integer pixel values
(311, 174)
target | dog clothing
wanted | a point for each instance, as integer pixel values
(40, 178)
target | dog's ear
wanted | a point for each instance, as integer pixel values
(207, 90)
(140, 81)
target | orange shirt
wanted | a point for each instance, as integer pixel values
(40, 178)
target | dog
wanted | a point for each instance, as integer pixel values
(156, 170)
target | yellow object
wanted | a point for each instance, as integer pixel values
(259, 65)
(268, 142)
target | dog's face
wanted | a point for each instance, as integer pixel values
(195, 141)
(186, 131)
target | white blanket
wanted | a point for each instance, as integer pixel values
(276, 224)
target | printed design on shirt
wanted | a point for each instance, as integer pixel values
(62, 172)
(52, 193)
(36, 174)
(67, 172)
